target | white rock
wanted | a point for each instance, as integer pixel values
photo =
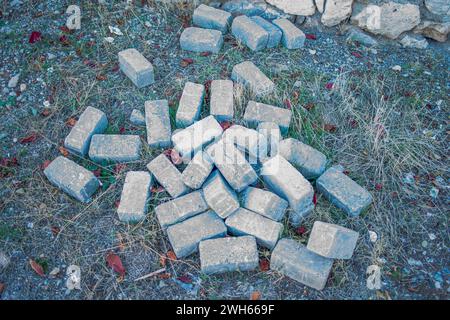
(336, 11)
(416, 42)
(299, 8)
(12, 83)
(397, 68)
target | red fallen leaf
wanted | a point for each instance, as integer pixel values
(205, 53)
(346, 172)
(408, 94)
(31, 138)
(119, 167)
(2, 288)
(116, 68)
(117, 203)
(288, 104)
(310, 106)
(71, 122)
(45, 164)
(357, 54)
(378, 186)
(46, 112)
(35, 36)
(64, 151)
(162, 260)
(264, 264)
(97, 172)
(167, 152)
(37, 268)
(315, 198)
(171, 255)
(122, 129)
(165, 275)
(310, 36)
(9, 162)
(256, 295)
(157, 189)
(64, 40)
(175, 157)
(329, 127)
(301, 230)
(115, 263)
(185, 62)
(89, 63)
(225, 125)
(329, 85)
(353, 123)
(65, 29)
(101, 77)
(185, 278)
(55, 230)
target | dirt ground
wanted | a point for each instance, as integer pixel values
(389, 129)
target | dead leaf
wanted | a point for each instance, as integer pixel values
(175, 157)
(256, 295)
(185, 62)
(115, 263)
(29, 139)
(185, 278)
(101, 77)
(71, 122)
(165, 275)
(37, 268)
(64, 151)
(205, 53)
(171, 255)
(46, 112)
(225, 125)
(162, 261)
(329, 127)
(55, 230)
(264, 264)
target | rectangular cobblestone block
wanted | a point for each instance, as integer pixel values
(228, 254)
(247, 140)
(310, 162)
(136, 67)
(186, 235)
(343, 192)
(115, 147)
(92, 121)
(232, 164)
(256, 112)
(245, 222)
(157, 120)
(192, 139)
(250, 76)
(135, 193)
(274, 32)
(72, 178)
(137, 118)
(211, 18)
(294, 260)
(190, 104)
(293, 37)
(249, 33)
(271, 132)
(286, 181)
(197, 171)
(332, 241)
(167, 175)
(179, 209)
(265, 203)
(222, 101)
(201, 40)
(219, 196)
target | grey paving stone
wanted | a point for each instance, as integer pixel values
(256, 112)
(190, 104)
(72, 178)
(190, 140)
(249, 75)
(157, 121)
(167, 175)
(186, 235)
(179, 209)
(293, 37)
(247, 140)
(245, 222)
(271, 132)
(115, 147)
(343, 192)
(232, 164)
(332, 241)
(310, 162)
(136, 67)
(294, 260)
(91, 121)
(221, 100)
(137, 118)
(265, 203)
(211, 18)
(197, 171)
(286, 181)
(274, 32)
(228, 254)
(135, 193)
(201, 40)
(219, 196)
(249, 33)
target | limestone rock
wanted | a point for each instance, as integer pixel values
(336, 11)
(434, 30)
(414, 41)
(298, 7)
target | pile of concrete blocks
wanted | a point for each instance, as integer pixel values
(239, 185)
(257, 33)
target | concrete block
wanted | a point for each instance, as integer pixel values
(190, 104)
(115, 147)
(265, 203)
(293, 37)
(186, 235)
(246, 140)
(201, 40)
(197, 171)
(167, 175)
(92, 121)
(310, 162)
(256, 112)
(135, 193)
(343, 192)
(250, 76)
(274, 32)
(228, 254)
(219, 196)
(157, 120)
(249, 33)
(211, 18)
(245, 222)
(221, 100)
(294, 260)
(136, 67)
(137, 118)
(286, 181)
(271, 132)
(179, 209)
(332, 241)
(72, 178)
